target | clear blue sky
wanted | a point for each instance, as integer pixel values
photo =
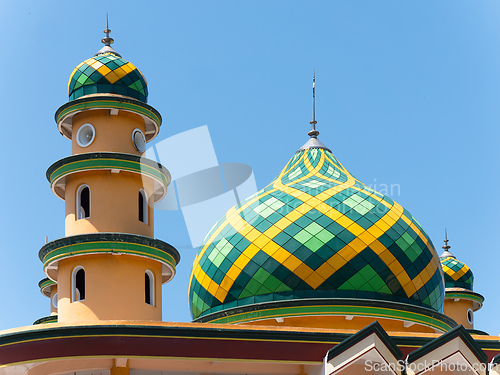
(408, 93)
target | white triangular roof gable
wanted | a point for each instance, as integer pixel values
(366, 355)
(453, 355)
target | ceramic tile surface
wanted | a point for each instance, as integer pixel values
(315, 232)
(107, 73)
(457, 274)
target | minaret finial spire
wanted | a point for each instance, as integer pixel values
(314, 133)
(446, 247)
(107, 41)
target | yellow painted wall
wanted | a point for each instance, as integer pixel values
(114, 288)
(114, 203)
(457, 310)
(113, 133)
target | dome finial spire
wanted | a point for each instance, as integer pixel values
(314, 133)
(313, 142)
(446, 247)
(107, 41)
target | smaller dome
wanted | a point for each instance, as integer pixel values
(107, 73)
(456, 273)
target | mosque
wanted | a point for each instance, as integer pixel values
(316, 273)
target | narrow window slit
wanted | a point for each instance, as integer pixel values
(143, 207)
(83, 202)
(149, 285)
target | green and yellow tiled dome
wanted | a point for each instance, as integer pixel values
(315, 232)
(456, 273)
(107, 73)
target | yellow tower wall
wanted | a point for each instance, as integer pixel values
(114, 289)
(113, 133)
(114, 203)
(457, 310)
(114, 284)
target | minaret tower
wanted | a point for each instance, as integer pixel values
(109, 266)
(460, 302)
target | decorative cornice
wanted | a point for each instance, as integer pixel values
(94, 161)
(332, 307)
(46, 320)
(45, 285)
(185, 340)
(109, 243)
(464, 295)
(64, 115)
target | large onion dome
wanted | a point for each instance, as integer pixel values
(315, 233)
(107, 73)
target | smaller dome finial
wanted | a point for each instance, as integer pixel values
(446, 247)
(107, 41)
(314, 133)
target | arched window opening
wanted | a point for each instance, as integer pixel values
(149, 284)
(83, 202)
(78, 284)
(143, 207)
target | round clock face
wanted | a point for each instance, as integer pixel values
(85, 135)
(54, 300)
(139, 140)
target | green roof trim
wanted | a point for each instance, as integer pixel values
(66, 112)
(332, 307)
(108, 161)
(465, 295)
(46, 319)
(373, 328)
(496, 359)
(476, 332)
(459, 331)
(109, 243)
(25, 342)
(44, 284)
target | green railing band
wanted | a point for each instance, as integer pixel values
(108, 161)
(109, 243)
(109, 102)
(332, 307)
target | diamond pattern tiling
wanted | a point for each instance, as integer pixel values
(107, 74)
(457, 274)
(315, 232)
